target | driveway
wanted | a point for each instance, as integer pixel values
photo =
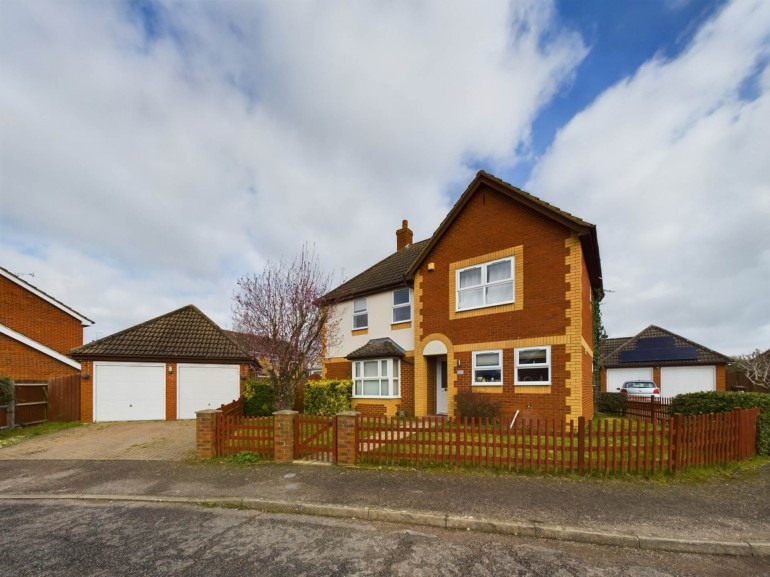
(133, 441)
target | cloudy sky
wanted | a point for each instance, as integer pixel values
(153, 152)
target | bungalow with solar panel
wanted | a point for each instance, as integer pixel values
(677, 365)
(497, 303)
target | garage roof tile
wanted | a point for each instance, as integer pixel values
(185, 333)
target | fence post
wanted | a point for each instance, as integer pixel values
(581, 445)
(283, 442)
(347, 438)
(206, 433)
(678, 441)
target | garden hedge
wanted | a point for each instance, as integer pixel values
(258, 398)
(328, 396)
(721, 402)
(611, 403)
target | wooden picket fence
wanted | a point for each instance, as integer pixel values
(649, 408)
(599, 446)
(237, 433)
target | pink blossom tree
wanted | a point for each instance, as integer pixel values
(284, 325)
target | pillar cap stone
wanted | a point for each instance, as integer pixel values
(207, 411)
(286, 413)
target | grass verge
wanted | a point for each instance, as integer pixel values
(10, 437)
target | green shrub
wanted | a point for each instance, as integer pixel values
(7, 390)
(328, 396)
(721, 402)
(470, 404)
(611, 403)
(258, 398)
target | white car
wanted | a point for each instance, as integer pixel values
(640, 389)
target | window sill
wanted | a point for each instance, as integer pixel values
(375, 398)
(487, 384)
(500, 304)
(362, 331)
(532, 384)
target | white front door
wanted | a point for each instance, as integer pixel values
(441, 386)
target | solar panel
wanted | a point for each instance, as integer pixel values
(660, 354)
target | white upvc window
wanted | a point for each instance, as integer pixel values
(485, 285)
(402, 305)
(377, 378)
(360, 314)
(533, 366)
(487, 368)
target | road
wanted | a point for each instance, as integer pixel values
(46, 538)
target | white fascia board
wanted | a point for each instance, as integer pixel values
(38, 347)
(85, 321)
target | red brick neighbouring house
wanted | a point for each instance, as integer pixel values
(497, 302)
(37, 332)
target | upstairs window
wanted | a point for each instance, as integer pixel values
(360, 314)
(402, 305)
(377, 378)
(485, 285)
(533, 366)
(488, 368)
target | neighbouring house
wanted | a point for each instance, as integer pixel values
(37, 332)
(676, 364)
(166, 368)
(497, 303)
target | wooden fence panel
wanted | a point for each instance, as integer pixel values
(31, 403)
(64, 398)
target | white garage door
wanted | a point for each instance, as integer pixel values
(616, 377)
(677, 380)
(206, 387)
(129, 391)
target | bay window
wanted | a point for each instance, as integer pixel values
(377, 378)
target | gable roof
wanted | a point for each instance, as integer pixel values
(386, 274)
(182, 334)
(608, 345)
(383, 347)
(46, 297)
(585, 230)
(704, 355)
(399, 268)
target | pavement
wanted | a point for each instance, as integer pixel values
(722, 515)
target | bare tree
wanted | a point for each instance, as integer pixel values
(756, 366)
(279, 310)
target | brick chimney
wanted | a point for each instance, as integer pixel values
(404, 235)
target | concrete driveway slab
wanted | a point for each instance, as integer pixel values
(133, 441)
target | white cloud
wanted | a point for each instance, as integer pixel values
(671, 164)
(142, 172)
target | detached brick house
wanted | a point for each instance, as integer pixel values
(37, 332)
(496, 302)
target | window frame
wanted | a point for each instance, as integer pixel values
(484, 285)
(499, 366)
(393, 377)
(361, 313)
(408, 305)
(546, 364)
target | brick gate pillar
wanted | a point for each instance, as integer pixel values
(283, 441)
(346, 438)
(206, 433)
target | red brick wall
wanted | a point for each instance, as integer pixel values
(339, 370)
(488, 223)
(171, 392)
(407, 386)
(371, 409)
(37, 319)
(23, 363)
(87, 392)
